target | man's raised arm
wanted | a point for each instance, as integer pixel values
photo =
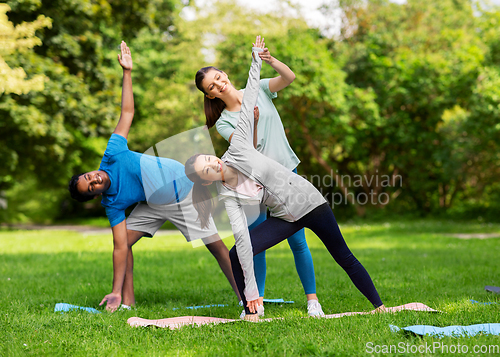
(127, 113)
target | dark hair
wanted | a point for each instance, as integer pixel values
(213, 107)
(73, 190)
(202, 197)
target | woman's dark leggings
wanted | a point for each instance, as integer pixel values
(322, 222)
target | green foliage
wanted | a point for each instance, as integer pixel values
(165, 95)
(406, 94)
(19, 39)
(27, 203)
(62, 130)
(422, 72)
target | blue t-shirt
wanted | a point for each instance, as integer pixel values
(137, 177)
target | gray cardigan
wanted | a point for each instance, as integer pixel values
(288, 195)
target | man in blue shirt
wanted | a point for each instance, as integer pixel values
(125, 178)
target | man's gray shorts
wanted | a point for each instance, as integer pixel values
(148, 218)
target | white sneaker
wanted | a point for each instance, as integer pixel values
(260, 312)
(314, 308)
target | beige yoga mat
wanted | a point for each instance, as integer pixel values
(176, 322)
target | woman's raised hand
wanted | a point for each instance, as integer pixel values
(259, 42)
(265, 55)
(126, 58)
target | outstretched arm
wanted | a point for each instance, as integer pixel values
(286, 76)
(244, 132)
(127, 113)
(120, 252)
(244, 249)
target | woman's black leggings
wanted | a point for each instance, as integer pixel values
(322, 222)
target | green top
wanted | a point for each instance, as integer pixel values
(271, 138)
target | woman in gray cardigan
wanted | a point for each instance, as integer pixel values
(246, 177)
(222, 106)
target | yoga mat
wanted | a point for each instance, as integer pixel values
(273, 301)
(453, 331)
(493, 289)
(278, 301)
(482, 303)
(176, 322)
(199, 307)
(68, 307)
(413, 306)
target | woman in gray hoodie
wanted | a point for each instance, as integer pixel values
(244, 176)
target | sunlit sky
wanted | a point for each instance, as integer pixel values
(310, 10)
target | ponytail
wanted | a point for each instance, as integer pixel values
(213, 107)
(202, 197)
(213, 110)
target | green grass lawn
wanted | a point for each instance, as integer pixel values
(413, 261)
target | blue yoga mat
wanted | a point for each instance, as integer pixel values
(453, 331)
(68, 307)
(482, 303)
(278, 301)
(273, 301)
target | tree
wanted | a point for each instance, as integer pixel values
(20, 39)
(421, 72)
(52, 134)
